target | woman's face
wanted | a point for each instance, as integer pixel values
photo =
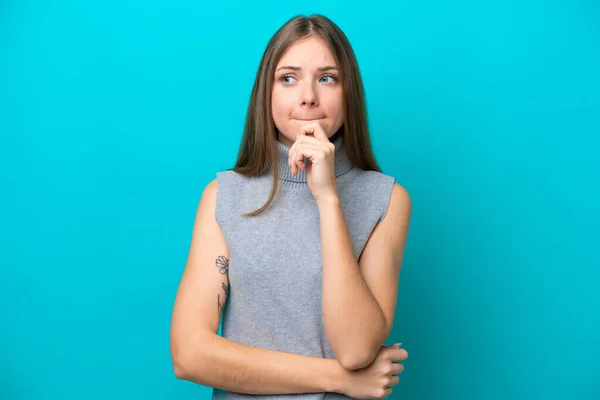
(307, 88)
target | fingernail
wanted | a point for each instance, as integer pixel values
(398, 344)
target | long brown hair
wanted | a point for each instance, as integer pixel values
(258, 149)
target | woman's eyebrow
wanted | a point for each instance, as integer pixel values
(294, 68)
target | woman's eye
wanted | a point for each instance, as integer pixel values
(286, 79)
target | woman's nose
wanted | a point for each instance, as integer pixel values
(309, 96)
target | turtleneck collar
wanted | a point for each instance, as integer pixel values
(342, 163)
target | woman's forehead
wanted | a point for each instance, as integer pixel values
(310, 53)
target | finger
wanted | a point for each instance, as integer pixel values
(291, 163)
(295, 161)
(313, 153)
(306, 130)
(320, 133)
(309, 140)
(298, 157)
(310, 130)
(299, 153)
(394, 380)
(397, 368)
(315, 143)
(315, 129)
(289, 160)
(399, 354)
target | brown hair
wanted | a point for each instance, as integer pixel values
(258, 149)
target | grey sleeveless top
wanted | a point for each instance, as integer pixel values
(274, 300)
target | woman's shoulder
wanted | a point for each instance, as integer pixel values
(226, 173)
(231, 176)
(382, 191)
(371, 178)
(376, 183)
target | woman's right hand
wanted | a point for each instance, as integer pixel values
(375, 381)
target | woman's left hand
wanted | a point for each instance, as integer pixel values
(313, 143)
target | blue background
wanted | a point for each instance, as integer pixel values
(115, 114)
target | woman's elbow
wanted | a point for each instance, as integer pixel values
(179, 371)
(178, 361)
(356, 361)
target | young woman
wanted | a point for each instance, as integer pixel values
(304, 238)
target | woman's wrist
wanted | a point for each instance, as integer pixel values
(329, 200)
(337, 376)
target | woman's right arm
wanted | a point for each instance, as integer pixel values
(200, 355)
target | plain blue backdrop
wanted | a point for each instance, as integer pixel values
(114, 115)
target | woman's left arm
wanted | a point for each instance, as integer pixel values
(359, 297)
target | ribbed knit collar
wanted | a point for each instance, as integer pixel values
(342, 163)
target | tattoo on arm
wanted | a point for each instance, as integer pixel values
(223, 264)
